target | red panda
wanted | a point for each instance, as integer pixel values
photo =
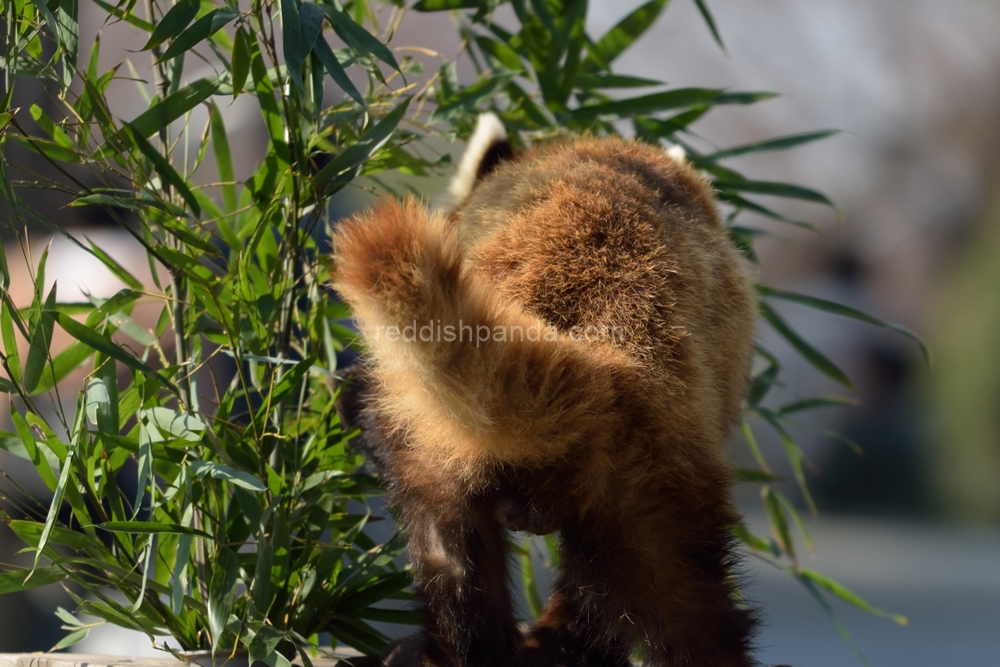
(566, 351)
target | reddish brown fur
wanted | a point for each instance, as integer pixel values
(616, 444)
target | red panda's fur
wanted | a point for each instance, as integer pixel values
(614, 442)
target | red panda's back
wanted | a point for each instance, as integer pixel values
(615, 242)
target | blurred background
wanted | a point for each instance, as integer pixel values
(910, 517)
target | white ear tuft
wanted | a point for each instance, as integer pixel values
(677, 154)
(489, 132)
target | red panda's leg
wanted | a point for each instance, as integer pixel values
(580, 624)
(459, 554)
(647, 584)
(695, 618)
(564, 637)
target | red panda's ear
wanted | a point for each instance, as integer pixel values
(487, 148)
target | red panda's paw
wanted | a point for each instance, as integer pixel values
(407, 652)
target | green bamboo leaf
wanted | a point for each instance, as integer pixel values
(163, 167)
(44, 460)
(264, 643)
(844, 311)
(50, 128)
(182, 233)
(67, 31)
(31, 533)
(98, 405)
(464, 101)
(200, 30)
(263, 590)
(41, 339)
(182, 425)
(849, 596)
(794, 454)
(445, 5)
(385, 587)
(815, 403)
(398, 616)
(336, 70)
(116, 268)
(220, 471)
(222, 592)
(357, 37)
(57, 495)
(778, 144)
(345, 166)
(115, 613)
(295, 51)
(530, 581)
(750, 475)
(741, 203)
(10, 342)
(4, 271)
(173, 22)
(647, 104)
(776, 190)
(223, 158)
(105, 346)
(779, 524)
(710, 22)
(623, 35)
(268, 105)
(179, 575)
(107, 372)
(356, 633)
(796, 518)
(744, 98)
(131, 203)
(150, 528)
(173, 106)
(189, 265)
(501, 53)
(241, 61)
(599, 81)
(22, 580)
(50, 149)
(310, 26)
(131, 328)
(761, 385)
(811, 354)
(68, 618)
(755, 542)
(125, 15)
(74, 637)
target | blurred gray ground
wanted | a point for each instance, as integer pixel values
(944, 579)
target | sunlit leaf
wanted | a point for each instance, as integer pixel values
(844, 311)
(222, 592)
(172, 23)
(623, 35)
(811, 354)
(710, 22)
(199, 31)
(849, 596)
(220, 471)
